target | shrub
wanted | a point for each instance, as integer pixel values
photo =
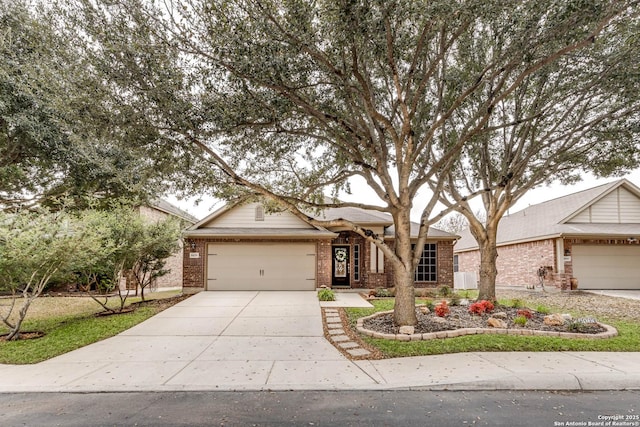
(382, 292)
(442, 309)
(444, 291)
(520, 320)
(517, 303)
(464, 294)
(525, 312)
(579, 327)
(481, 307)
(542, 309)
(455, 299)
(488, 306)
(424, 292)
(326, 294)
(429, 303)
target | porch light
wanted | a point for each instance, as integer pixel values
(192, 245)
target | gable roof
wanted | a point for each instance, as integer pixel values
(357, 215)
(218, 224)
(371, 217)
(553, 218)
(164, 206)
(364, 217)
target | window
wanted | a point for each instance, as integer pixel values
(426, 269)
(356, 262)
(259, 213)
(455, 263)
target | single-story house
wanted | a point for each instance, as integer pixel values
(243, 246)
(591, 237)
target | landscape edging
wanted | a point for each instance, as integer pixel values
(609, 333)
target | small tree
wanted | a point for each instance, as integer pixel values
(34, 249)
(129, 245)
(160, 241)
(123, 235)
(91, 275)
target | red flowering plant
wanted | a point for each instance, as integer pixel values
(442, 309)
(481, 307)
(525, 312)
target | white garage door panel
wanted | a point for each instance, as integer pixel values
(607, 267)
(261, 266)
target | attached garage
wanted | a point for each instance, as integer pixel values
(607, 267)
(261, 266)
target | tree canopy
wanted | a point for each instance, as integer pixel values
(53, 138)
(579, 112)
(291, 99)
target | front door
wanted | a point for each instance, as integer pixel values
(340, 264)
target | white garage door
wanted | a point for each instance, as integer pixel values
(261, 266)
(607, 267)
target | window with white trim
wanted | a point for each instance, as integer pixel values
(426, 271)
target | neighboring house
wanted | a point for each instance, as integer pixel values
(244, 247)
(159, 210)
(590, 237)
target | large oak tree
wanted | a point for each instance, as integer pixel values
(53, 142)
(288, 99)
(578, 113)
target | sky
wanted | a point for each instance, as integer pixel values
(364, 195)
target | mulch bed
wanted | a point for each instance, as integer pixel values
(160, 304)
(460, 317)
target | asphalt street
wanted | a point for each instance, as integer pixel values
(323, 408)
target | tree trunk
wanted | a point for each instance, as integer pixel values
(14, 333)
(404, 309)
(488, 269)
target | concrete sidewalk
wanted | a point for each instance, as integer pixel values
(274, 341)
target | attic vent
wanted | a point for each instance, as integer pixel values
(259, 213)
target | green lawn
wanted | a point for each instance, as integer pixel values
(627, 340)
(72, 325)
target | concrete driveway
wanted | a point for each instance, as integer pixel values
(212, 340)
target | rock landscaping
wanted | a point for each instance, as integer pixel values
(451, 321)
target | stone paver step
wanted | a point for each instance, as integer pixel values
(338, 337)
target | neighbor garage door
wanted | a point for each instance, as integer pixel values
(606, 267)
(261, 266)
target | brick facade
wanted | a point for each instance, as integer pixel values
(194, 276)
(194, 269)
(518, 264)
(444, 267)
